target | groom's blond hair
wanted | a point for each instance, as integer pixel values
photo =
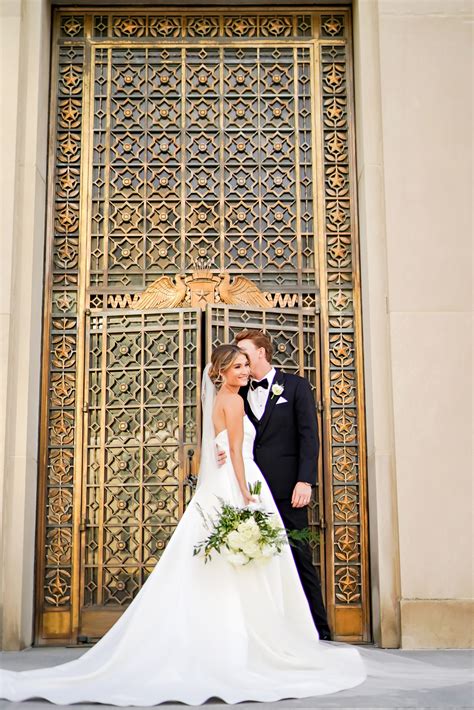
(258, 338)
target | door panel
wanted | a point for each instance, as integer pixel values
(142, 420)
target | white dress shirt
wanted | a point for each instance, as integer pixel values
(258, 398)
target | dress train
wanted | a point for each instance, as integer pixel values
(196, 631)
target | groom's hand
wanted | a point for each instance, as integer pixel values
(301, 495)
(221, 456)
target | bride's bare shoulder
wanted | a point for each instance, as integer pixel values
(230, 402)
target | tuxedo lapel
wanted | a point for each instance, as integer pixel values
(248, 410)
(279, 379)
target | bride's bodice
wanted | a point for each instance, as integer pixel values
(222, 439)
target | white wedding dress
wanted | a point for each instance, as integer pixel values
(196, 631)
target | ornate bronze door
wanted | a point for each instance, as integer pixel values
(196, 161)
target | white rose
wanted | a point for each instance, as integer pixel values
(249, 530)
(256, 535)
(235, 540)
(251, 549)
(249, 524)
(277, 390)
(244, 536)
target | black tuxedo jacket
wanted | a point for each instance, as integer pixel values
(286, 444)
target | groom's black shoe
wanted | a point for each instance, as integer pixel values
(325, 637)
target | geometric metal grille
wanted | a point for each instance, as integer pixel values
(222, 141)
(59, 403)
(343, 344)
(202, 153)
(143, 416)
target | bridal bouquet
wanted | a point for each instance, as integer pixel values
(244, 535)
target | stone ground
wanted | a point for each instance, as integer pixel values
(365, 696)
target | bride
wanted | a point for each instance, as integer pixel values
(196, 631)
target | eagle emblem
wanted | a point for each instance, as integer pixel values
(177, 291)
(241, 292)
(163, 293)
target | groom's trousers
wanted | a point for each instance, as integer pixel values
(297, 519)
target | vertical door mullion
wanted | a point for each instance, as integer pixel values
(181, 403)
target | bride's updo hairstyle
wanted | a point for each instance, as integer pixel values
(222, 358)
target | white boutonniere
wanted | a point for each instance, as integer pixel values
(277, 390)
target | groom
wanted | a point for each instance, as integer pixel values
(282, 409)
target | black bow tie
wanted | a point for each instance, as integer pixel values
(262, 383)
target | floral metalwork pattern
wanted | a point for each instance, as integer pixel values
(341, 333)
(207, 155)
(142, 419)
(59, 436)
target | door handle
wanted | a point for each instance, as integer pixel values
(191, 479)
